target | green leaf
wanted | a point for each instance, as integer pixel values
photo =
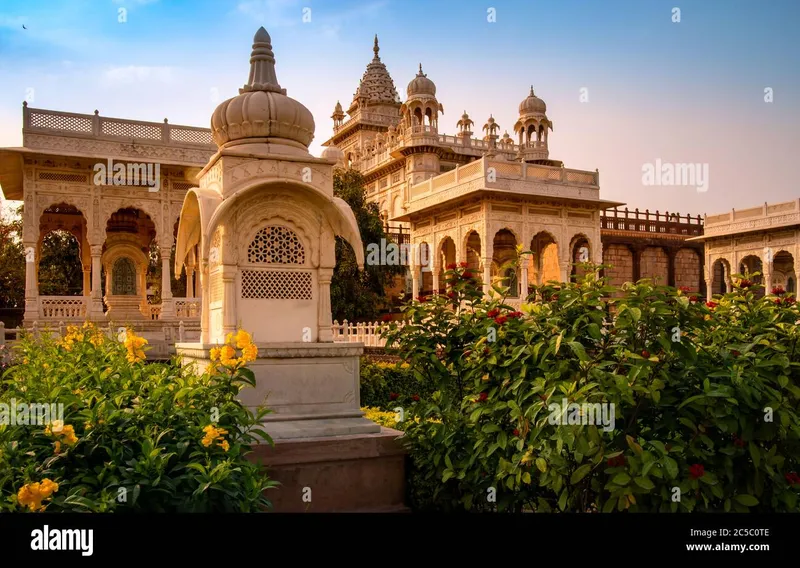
(621, 478)
(580, 473)
(644, 483)
(558, 341)
(671, 466)
(747, 500)
(562, 501)
(754, 453)
(579, 351)
(447, 475)
(541, 465)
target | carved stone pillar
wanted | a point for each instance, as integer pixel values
(709, 289)
(96, 307)
(204, 318)
(415, 282)
(31, 284)
(229, 299)
(87, 280)
(190, 280)
(325, 332)
(524, 281)
(487, 275)
(167, 305)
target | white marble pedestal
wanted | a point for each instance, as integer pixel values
(312, 388)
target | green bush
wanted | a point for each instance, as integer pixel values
(134, 436)
(389, 385)
(704, 397)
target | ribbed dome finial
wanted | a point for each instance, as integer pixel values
(532, 91)
(262, 66)
(375, 48)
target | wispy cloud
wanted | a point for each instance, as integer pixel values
(138, 74)
(331, 23)
(275, 13)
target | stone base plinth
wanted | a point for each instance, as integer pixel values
(124, 308)
(356, 473)
(312, 388)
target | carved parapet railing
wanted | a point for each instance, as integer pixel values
(153, 311)
(62, 307)
(653, 223)
(187, 309)
(41, 121)
(367, 333)
(766, 216)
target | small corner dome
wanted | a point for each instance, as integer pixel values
(262, 109)
(421, 85)
(333, 154)
(532, 105)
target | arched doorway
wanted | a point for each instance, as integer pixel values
(128, 262)
(447, 257)
(783, 274)
(752, 269)
(581, 255)
(544, 263)
(720, 277)
(504, 260)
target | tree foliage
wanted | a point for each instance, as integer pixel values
(12, 261)
(358, 296)
(60, 268)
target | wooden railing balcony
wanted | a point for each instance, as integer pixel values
(647, 222)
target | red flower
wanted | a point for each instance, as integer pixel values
(493, 313)
(515, 315)
(792, 478)
(684, 289)
(451, 266)
(415, 398)
(697, 471)
(467, 352)
(693, 298)
(646, 354)
(462, 264)
(516, 432)
(468, 274)
(500, 320)
(451, 294)
(617, 461)
(422, 299)
(483, 396)
(745, 283)
(711, 305)
(735, 353)
(789, 300)
(393, 396)
(777, 301)
(778, 291)
(738, 442)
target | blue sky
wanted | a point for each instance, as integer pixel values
(685, 92)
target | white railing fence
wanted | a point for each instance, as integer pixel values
(368, 333)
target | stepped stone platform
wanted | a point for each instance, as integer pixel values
(343, 474)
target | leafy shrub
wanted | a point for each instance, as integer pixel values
(387, 386)
(704, 397)
(134, 436)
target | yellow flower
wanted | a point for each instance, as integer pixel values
(225, 446)
(227, 355)
(214, 354)
(26, 361)
(56, 426)
(46, 366)
(249, 353)
(31, 495)
(57, 447)
(135, 345)
(243, 339)
(87, 426)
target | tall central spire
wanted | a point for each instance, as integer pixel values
(376, 49)
(262, 66)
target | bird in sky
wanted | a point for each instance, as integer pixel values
(23, 27)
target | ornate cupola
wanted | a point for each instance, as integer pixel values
(262, 113)
(421, 108)
(532, 128)
(491, 128)
(338, 115)
(464, 126)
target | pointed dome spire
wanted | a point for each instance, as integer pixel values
(421, 85)
(376, 85)
(532, 105)
(262, 110)
(262, 66)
